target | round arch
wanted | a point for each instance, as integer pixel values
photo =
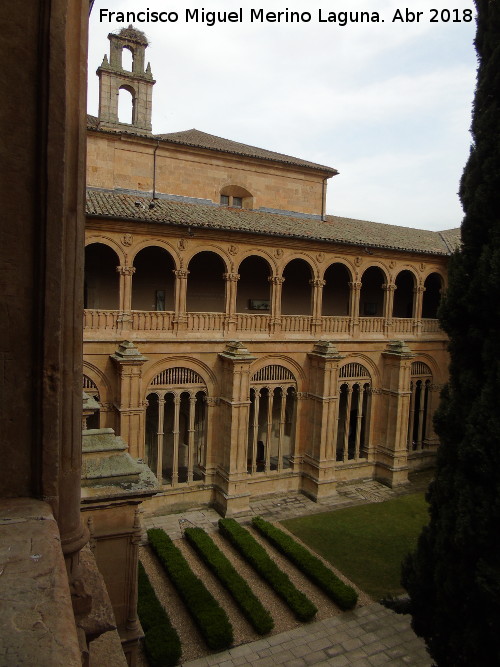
(254, 289)
(206, 287)
(153, 282)
(101, 280)
(208, 376)
(281, 360)
(296, 291)
(404, 294)
(371, 299)
(336, 291)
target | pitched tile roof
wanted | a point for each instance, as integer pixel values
(335, 229)
(198, 139)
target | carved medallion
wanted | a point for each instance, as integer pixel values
(127, 239)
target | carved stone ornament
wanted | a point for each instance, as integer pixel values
(127, 239)
(279, 253)
(357, 261)
(182, 244)
(392, 264)
(421, 266)
(233, 250)
(320, 257)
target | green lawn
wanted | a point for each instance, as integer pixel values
(367, 543)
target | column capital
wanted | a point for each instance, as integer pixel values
(180, 273)
(125, 270)
(317, 282)
(357, 285)
(389, 287)
(231, 277)
(276, 280)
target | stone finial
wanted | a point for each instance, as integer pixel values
(327, 349)
(127, 351)
(398, 347)
(105, 61)
(237, 351)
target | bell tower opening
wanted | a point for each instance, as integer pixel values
(125, 71)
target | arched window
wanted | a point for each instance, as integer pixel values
(404, 294)
(101, 279)
(205, 287)
(176, 426)
(371, 303)
(271, 428)
(90, 388)
(432, 296)
(253, 286)
(153, 280)
(235, 197)
(296, 290)
(354, 413)
(420, 413)
(336, 290)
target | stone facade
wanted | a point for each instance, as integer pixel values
(277, 349)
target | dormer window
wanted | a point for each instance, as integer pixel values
(235, 196)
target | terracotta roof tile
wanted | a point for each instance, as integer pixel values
(335, 229)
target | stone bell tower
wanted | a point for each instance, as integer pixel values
(138, 82)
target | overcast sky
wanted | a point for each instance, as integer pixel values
(387, 104)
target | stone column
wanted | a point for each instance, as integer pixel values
(354, 296)
(417, 309)
(319, 460)
(129, 361)
(125, 298)
(231, 494)
(231, 281)
(269, 430)
(391, 465)
(281, 433)
(175, 432)
(317, 300)
(389, 289)
(180, 297)
(276, 289)
(212, 439)
(192, 408)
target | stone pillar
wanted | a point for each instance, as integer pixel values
(212, 440)
(126, 273)
(389, 289)
(354, 296)
(391, 464)
(276, 288)
(180, 297)
(231, 281)
(231, 481)
(129, 362)
(317, 299)
(319, 461)
(417, 309)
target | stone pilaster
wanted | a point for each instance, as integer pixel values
(389, 290)
(231, 491)
(231, 281)
(129, 361)
(417, 309)
(180, 297)
(319, 459)
(276, 289)
(391, 463)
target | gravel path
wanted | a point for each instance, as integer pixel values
(193, 645)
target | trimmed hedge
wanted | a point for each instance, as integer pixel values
(209, 616)
(258, 557)
(161, 641)
(342, 594)
(249, 604)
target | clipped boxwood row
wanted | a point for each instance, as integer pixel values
(209, 616)
(161, 641)
(249, 604)
(343, 595)
(258, 557)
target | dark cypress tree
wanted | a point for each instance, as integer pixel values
(453, 578)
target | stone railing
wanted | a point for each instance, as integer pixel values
(430, 326)
(114, 323)
(371, 324)
(402, 325)
(205, 321)
(335, 324)
(253, 323)
(296, 323)
(100, 319)
(143, 320)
